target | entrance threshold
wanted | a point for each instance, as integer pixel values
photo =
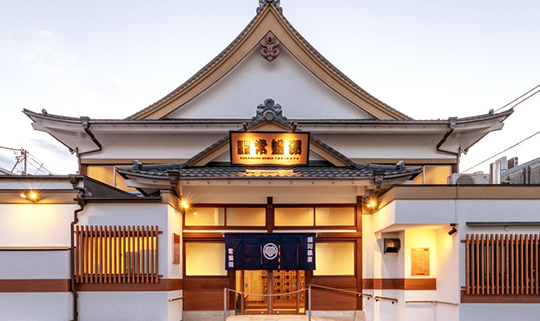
(268, 317)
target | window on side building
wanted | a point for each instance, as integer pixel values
(433, 174)
(107, 174)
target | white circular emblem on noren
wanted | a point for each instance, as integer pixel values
(270, 251)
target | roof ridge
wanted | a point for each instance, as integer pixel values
(202, 70)
(328, 67)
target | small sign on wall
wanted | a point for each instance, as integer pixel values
(176, 248)
(420, 261)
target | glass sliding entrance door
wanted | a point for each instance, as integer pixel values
(257, 284)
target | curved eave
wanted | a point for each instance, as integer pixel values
(269, 19)
(73, 124)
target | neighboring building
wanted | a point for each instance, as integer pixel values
(266, 172)
(527, 173)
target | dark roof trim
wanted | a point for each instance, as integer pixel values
(146, 199)
(240, 121)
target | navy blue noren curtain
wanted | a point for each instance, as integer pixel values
(258, 251)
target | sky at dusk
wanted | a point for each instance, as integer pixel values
(109, 59)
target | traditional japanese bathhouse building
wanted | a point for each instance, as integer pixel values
(266, 172)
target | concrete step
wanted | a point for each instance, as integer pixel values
(284, 318)
(316, 316)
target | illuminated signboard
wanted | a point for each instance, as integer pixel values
(269, 148)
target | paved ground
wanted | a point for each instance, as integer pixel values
(284, 318)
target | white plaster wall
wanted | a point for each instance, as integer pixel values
(448, 288)
(285, 80)
(395, 145)
(496, 312)
(384, 310)
(388, 265)
(498, 210)
(425, 212)
(416, 238)
(35, 224)
(368, 240)
(35, 306)
(384, 217)
(186, 145)
(124, 306)
(154, 145)
(175, 307)
(34, 265)
(259, 194)
(174, 225)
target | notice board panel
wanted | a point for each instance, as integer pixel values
(420, 261)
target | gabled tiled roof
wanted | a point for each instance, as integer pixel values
(201, 71)
(359, 171)
(310, 48)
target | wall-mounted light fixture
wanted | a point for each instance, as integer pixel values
(184, 204)
(453, 229)
(30, 195)
(392, 245)
(370, 203)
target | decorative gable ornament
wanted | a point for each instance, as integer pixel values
(270, 44)
(262, 3)
(269, 111)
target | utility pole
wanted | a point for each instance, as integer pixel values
(24, 153)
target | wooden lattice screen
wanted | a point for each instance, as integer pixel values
(117, 254)
(502, 264)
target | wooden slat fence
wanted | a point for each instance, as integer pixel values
(117, 254)
(505, 264)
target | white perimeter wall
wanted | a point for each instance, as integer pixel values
(36, 225)
(425, 223)
(378, 265)
(496, 211)
(31, 225)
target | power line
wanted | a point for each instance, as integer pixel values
(17, 149)
(509, 148)
(26, 158)
(520, 98)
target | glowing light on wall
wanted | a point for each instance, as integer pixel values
(30, 195)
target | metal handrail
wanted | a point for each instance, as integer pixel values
(377, 298)
(369, 296)
(227, 290)
(432, 302)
